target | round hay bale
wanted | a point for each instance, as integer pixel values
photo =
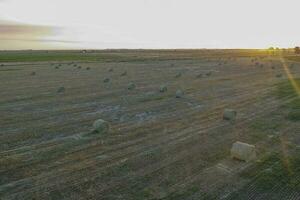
(61, 90)
(163, 88)
(106, 80)
(178, 75)
(208, 73)
(88, 68)
(179, 94)
(243, 151)
(229, 114)
(32, 73)
(199, 76)
(131, 86)
(57, 67)
(100, 126)
(148, 96)
(124, 73)
(79, 67)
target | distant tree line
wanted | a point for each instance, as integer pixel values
(273, 50)
(297, 50)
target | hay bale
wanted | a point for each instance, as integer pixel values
(32, 73)
(148, 96)
(163, 88)
(57, 67)
(179, 94)
(199, 75)
(106, 80)
(178, 75)
(243, 151)
(124, 73)
(273, 67)
(61, 90)
(208, 73)
(88, 68)
(131, 86)
(79, 67)
(229, 114)
(100, 126)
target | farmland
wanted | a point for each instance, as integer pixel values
(158, 146)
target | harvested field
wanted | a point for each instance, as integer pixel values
(158, 146)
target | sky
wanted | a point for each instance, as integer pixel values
(148, 24)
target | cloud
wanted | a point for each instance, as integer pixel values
(25, 36)
(42, 40)
(12, 30)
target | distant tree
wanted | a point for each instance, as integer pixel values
(271, 51)
(297, 50)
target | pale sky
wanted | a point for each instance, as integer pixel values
(100, 24)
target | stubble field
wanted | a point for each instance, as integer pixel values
(158, 146)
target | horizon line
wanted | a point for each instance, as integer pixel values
(92, 49)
